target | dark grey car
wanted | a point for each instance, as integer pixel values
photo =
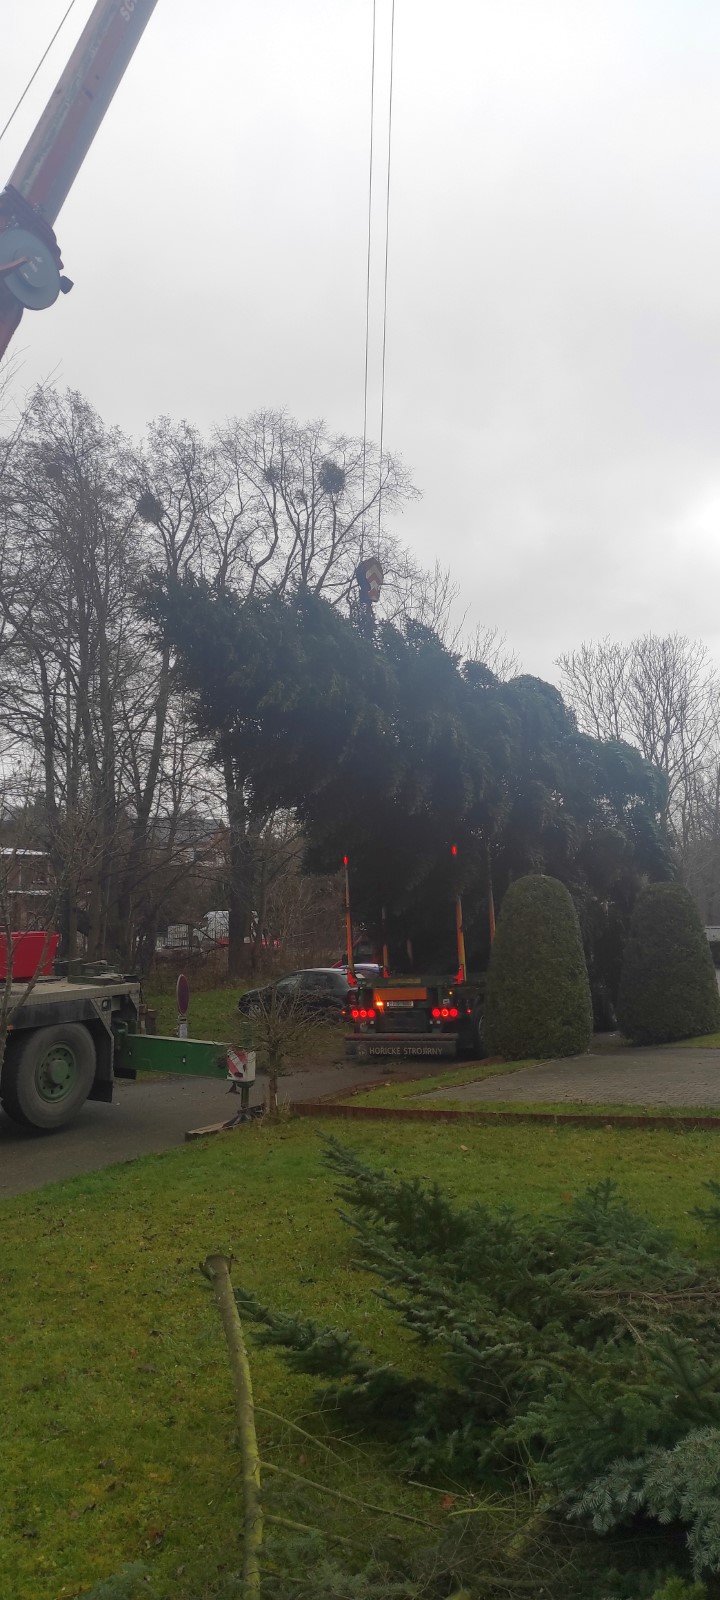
(321, 991)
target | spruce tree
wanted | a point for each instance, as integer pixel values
(668, 988)
(538, 995)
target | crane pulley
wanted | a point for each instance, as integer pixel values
(31, 276)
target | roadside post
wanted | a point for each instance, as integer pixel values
(183, 1003)
(491, 898)
(348, 919)
(462, 963)
(241, 1066)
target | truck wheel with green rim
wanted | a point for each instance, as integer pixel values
(47, 1075)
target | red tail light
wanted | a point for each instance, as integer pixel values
(436, 1012)
(454, 1011)
(355, 1013)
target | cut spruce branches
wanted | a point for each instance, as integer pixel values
(579, 1350)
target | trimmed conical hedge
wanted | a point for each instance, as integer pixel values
(668, 988)
(538, 996)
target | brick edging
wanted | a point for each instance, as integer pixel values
(327, 1108)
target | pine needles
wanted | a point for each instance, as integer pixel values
(579, 1353)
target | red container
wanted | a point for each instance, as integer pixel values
(28, 955)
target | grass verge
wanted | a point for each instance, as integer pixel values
(214, 1014)
(414, 1092)
(118, 1434)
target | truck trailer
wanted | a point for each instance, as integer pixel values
(70, 1037)
(419, 1018)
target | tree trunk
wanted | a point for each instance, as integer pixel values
(239, 873)
(217, 1270)
(139, 841)
(260, 873)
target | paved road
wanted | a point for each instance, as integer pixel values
(149, 1117)
(649, 1077)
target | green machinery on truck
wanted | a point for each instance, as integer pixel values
(71, 1037)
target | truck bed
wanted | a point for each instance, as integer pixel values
(73, 1000)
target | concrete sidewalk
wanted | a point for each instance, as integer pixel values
(647, 1077)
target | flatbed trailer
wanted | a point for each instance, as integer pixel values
(71, 1037)
(416, 1017)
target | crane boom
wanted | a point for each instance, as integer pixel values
(30, 264)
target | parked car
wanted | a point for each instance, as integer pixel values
(364, 970)
(321, 991)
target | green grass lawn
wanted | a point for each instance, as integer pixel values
(414, 1092)
(213, 1013)
(117, 1433)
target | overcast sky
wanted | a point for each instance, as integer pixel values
(553, 364)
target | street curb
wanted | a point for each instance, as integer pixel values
(325, 1108)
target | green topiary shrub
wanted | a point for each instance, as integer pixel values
(538, 995)
(668, 988)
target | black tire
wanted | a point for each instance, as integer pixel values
(478, 1041)
(47, 1075)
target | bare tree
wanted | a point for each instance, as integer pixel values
(281, 1027)
(21, 845)
(661, 694)
(85, 694)
(312, 504)
(87, 699)
(489, 647)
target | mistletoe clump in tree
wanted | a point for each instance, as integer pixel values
(578, 1351)
(538, 995)
(668, 988)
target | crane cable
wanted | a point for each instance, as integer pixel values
(367, 281)
(40, 64)
(385, 285)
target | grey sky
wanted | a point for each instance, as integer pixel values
(553, 376)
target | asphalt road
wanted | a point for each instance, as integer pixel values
(148, 1117)
(652, 1077)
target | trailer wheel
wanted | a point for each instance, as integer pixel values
(478, 1040)
(47, 1075)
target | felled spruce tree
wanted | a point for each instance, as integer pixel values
(668, 988)
(125, 1585)
(537, 1000)
(579, 1348)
